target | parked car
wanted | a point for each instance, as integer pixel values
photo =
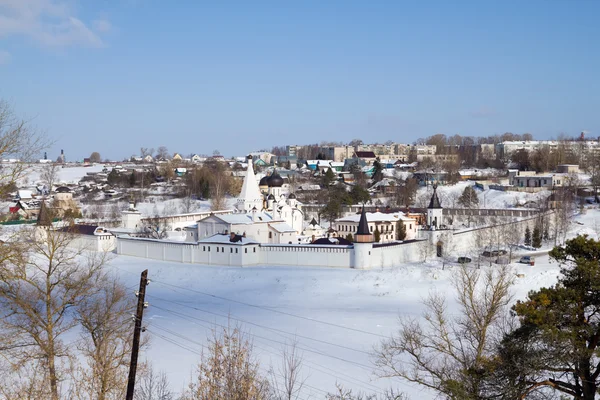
(502, 260)
(526, 260)
(464, 260)
(494, 253)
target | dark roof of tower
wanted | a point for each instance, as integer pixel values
(271, 197)
(275, 180)
(313, 222)
(63, 189)
(264, 181)
(292, 196)
(435, 201)
(44, 217)
(363, 227)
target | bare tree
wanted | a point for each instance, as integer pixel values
(145, 151)
(105, 319)
(50, 175)
(95, 157)
(188, 204)
(152, 385)
(19, 141)
(228, 370)
(162, 153)
(42, 283)
(289, 371)
(219, 186)
(448, 352)
(346, 394)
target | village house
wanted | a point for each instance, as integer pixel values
(531, 179)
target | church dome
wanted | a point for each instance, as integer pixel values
(292, 196)
(275, 180)
(271, 197)
(264, 181)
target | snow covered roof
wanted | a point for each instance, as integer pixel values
(244, 219)
(376, 217)
(282, 227)
(25, 194)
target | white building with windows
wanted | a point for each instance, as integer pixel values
(388, 225)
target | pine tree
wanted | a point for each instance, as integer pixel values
(113, 177)
(527, 236)
(536, 238)
(132, 179)
(377, 235)
(558, 331)
(546, 234)
(349, 237)
(328, 177)
(401, 231)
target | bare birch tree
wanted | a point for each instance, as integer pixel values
(106, 326)
(449, 352)
(42, 280)
(50, 175)
(18, 141)
(152, 385)
(287, 382)
(228, 370)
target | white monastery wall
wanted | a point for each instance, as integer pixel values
(395, 254)
(306, 255)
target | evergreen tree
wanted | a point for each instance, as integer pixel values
(377, 235)
(359, 195)
(349, 237)
(401, 231)
(377, 171)
(536, 238)
(113, 177)
(132, 179)
(527, 236)
(546, 234)
(557, 343)
(328, 178)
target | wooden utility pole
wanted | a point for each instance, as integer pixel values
(136, 335)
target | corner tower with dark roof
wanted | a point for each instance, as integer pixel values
(434, 211)
(363, 235)
(363, 244)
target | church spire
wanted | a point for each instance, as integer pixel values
(250, 196)
(435, 201)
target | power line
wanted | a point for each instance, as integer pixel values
(262, 326)
(191, 350)
(282, 343)
(273, 310)
(351, 379)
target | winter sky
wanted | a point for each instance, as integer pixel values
(236, 76)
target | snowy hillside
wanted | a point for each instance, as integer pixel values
(336, 315)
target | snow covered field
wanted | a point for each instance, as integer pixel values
(336, 315)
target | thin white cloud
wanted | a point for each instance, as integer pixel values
(5, 57)
(102, 25)
(51, 23)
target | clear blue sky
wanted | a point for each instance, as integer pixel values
(237, 76)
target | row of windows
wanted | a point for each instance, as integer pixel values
(222, 249)
(352, 228)
(306, 249)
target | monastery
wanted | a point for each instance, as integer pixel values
(267, 229)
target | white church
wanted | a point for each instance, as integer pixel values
(267, 217)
